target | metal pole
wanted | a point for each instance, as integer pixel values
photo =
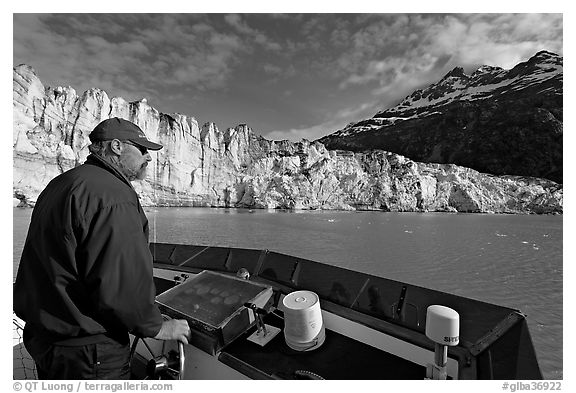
(440, 355)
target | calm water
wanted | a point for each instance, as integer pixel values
(513, 261)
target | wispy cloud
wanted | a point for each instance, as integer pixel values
(333, 121)
(389, 52)
(237, 21)
(162, 50)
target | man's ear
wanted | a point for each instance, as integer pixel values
(116, 147)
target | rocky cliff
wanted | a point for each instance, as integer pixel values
(494, 120)
(203, 166)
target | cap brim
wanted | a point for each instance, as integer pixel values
(147, 144)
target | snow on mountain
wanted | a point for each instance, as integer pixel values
(490, 102)
(486, 82)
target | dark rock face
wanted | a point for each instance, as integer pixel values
(503, 122)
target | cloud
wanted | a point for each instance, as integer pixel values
(353, 112)
(236, 21)
(494, 39)
(272, 69)
(134, 54)
(278, 72)
(296, 135)
(243, 28)
(406, 49)
(334, 122)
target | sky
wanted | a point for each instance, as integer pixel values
(286, 75)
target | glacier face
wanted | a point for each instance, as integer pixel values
(203, 166)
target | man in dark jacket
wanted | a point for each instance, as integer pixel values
(85, 277)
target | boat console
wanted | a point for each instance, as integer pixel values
(216, 306)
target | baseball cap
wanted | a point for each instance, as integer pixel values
(124, 130)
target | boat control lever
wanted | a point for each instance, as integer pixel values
(264, 333)
(171, 363)
(442, 327)
(257, 312)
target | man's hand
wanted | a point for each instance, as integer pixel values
(174, 329)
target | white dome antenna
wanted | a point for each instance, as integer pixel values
(442, 327)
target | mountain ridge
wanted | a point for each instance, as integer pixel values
(496, 121)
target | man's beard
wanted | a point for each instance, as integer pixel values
(131, 173)
(141, 174)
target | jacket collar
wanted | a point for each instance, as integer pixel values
(99, 161)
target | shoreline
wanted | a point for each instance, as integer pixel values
(147, 208)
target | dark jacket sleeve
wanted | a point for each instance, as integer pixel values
(119, 272)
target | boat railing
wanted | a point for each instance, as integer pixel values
(23, 365)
